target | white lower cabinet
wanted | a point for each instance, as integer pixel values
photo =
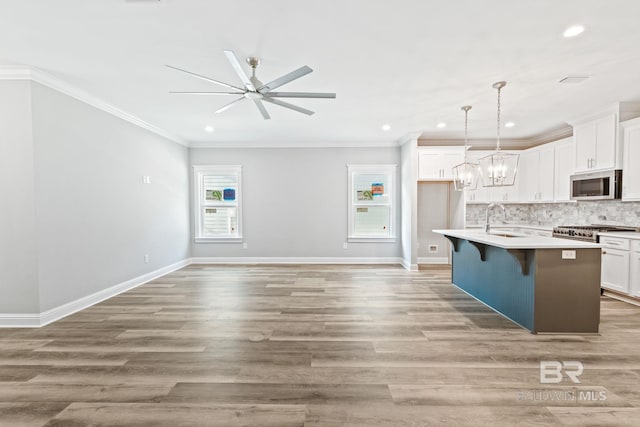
(634, 276)
(620, 261)
(615, 270)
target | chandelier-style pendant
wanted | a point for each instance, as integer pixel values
(499, 169)
(465, 175)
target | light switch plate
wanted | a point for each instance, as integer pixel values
(568, 254)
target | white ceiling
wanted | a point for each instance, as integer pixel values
(409, 63)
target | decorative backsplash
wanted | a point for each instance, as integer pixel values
(552, 214)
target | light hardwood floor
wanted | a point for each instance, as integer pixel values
(311, 346)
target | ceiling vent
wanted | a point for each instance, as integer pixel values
(574, 79)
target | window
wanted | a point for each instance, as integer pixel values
(217, 206)
(372, 203)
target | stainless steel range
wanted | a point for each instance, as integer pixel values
(587, 233)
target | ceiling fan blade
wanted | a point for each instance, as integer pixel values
(207, 93)
(205, 78)
(239, 71)
(229, 105)
(301, 95)
(289, 106)
(263, 111)
(302, 71)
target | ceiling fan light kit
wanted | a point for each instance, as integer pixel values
(499, 169)
(254, 90)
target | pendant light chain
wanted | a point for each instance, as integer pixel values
(498, 132)
(466, 114)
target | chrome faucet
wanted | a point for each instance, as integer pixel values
(487, 227)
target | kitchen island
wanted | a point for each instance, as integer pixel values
(544, 284)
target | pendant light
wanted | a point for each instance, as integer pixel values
(465, 175)
(499, 169)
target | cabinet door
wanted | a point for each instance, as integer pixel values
(606, 137)
(528, 171)
(545, 173)
(564, 166)
(631, 174)
(584, 136)
(436, 165)
(448, 160)
(429, 165)
(615, 270)
(634, 277)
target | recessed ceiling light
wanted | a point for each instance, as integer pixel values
(573, 31)
(509, 124)
(386, 127)
(441, 125)
(209, 128)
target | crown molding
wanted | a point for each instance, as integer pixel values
(555, 134)
(624, 110)
(14, 72)
(280, 144)
(45, 79)
(413, 137)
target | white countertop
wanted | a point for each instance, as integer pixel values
(529, 226)
(623, 234)
(522, 241)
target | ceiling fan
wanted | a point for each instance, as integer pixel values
(255, 90)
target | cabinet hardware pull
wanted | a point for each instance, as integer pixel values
(604, 252)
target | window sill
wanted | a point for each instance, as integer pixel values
(218, 240)
(371, 239)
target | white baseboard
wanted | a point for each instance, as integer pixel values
(433, 260)
(408, 266)
(32, 320)
(20, 320)
(296, 260)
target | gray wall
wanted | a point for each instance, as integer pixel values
(95, 217)
(295, 201)
(18, 245)
(433, 213)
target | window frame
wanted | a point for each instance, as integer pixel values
(199, 171)
(391, 170)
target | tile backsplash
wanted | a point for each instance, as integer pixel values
(552, 214)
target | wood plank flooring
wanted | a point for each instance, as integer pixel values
(311, 346)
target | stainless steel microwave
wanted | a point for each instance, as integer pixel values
(602, 185)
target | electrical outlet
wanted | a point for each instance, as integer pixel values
(345, 245)
(245, 246)
(433, 249)
(569, 254)
(146, 258)
(146, 179)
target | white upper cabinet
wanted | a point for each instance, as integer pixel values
(564, 166)
(607, 148)
(436, 163)
(537, 174)
(631, 160)
(597, 144)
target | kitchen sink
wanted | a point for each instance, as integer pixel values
(502, 234)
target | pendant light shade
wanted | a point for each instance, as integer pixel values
(499, 169)
(465, 175)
